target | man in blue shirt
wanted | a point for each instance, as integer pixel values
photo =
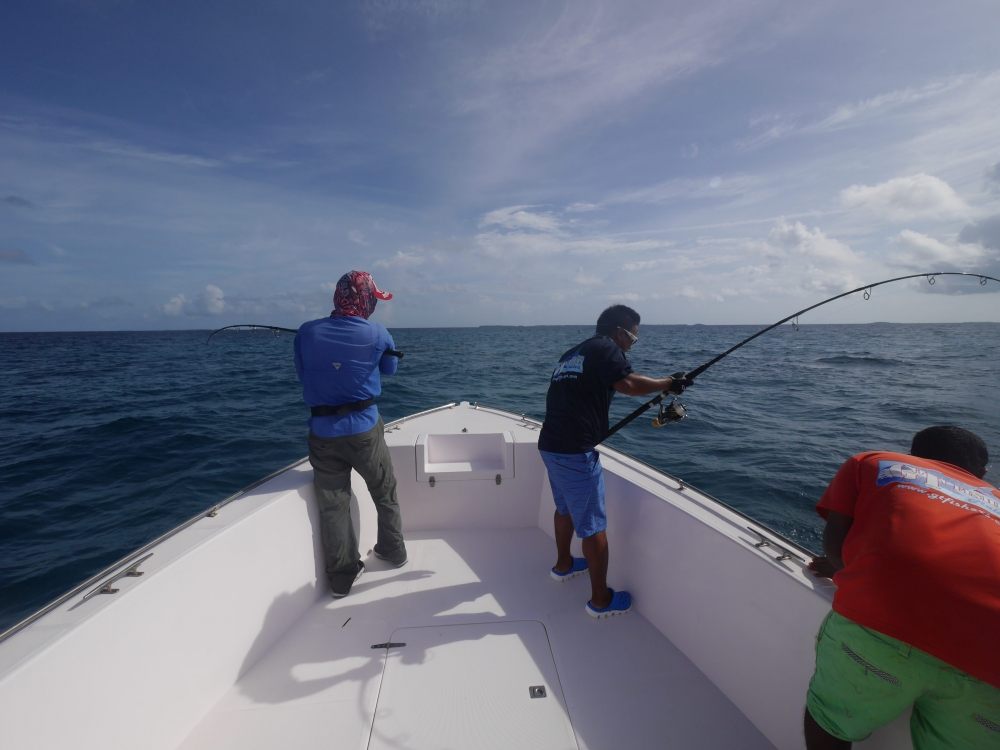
(340, 361)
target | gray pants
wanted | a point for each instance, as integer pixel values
(332, 460)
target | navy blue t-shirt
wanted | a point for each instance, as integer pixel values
(579, 397)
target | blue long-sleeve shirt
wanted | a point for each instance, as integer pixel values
(340, 360)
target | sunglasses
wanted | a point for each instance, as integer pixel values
(628, 333)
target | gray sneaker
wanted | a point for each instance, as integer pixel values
(397, 561)
(341, 594)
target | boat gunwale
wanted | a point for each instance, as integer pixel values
(124, 562)
(682, 484)
(131, 557)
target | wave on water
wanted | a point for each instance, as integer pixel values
(860, 361)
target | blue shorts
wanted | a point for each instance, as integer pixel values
(577, 481)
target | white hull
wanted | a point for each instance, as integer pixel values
(229, 639)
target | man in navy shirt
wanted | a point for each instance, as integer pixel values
(340, 361)
(576, 420)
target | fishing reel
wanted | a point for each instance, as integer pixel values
(672, 412)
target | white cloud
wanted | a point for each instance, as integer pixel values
(766, 130)
(924, 253)
(792, 259)
(697, 293)
(401, 260)
(645, 265)
(210, 301)
(591, 62)
(520, 234)
(138, 153)
(357, 237)
(918, 196)
(795, 239)
(915, 111)
(695, 188)
(848, 114)
(507, 245)
(519, 217)
(175, 306)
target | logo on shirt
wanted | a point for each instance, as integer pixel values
(938, 486)
(336, 365)
(570, 368)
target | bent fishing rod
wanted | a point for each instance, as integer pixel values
(250, 327)
(674, 411)
(276, 330)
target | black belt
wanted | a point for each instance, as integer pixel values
(337, 411)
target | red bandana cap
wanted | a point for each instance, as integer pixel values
(357, 295)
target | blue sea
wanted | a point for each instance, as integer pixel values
(108, 440)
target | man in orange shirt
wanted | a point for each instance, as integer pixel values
(913, 544)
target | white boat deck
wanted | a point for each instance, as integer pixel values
(612, 683)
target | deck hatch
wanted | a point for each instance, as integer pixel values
(472, 686)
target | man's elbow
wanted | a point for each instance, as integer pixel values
(628, 386)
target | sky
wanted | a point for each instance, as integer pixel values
(180, 165)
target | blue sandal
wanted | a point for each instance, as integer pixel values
(621, 602)
(579, 566)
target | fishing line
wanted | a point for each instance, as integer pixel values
(276, 330)
(674, 411)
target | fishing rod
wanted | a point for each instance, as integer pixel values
(674, 411)
(251, 327)
(276, 330)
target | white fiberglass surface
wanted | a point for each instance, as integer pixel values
(492, 686)
(619, 682)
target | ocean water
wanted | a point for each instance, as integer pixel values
(108, 440)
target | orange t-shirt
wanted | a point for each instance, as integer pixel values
(922, 556)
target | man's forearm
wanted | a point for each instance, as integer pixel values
(642, 385)
(834, 534)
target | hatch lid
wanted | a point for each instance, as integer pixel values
(488, 686)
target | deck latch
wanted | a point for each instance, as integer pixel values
(388, 644)
(537, 691)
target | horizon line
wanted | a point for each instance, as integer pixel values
(525, 325)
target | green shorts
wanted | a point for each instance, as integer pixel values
(865, 679)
